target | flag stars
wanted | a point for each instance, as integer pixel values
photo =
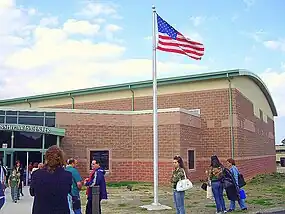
(164, 27)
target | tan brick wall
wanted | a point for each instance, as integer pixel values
(254, 139)
(129, 139)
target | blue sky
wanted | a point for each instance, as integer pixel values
(40, 39)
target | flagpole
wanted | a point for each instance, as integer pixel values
(155, 122)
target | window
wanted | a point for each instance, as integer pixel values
(103, 156)
(50, 122)
(11, 120)
(39, 121)
(191, 159)
(31, 113)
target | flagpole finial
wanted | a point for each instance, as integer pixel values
(153, 7)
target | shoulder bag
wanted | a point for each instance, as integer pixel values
(184, 184)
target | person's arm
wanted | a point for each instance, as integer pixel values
(178, 176)
(78, 180)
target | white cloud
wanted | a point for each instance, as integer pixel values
(47, 58)
(113, 28)
(53, 45)
(197, 20)
(275, 44)
(275, 82)
(32, 11)
(93, 9)
(49, 21)
(73, 26)
(6, 4)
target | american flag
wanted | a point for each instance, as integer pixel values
(170, 40)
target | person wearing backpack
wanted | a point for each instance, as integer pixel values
(234, 171)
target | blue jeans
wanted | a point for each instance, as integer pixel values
(218, 189)
(2, 202)
(241, 203)
(179, 201)
(72, 211)
(14, 193)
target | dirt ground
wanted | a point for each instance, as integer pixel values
(263, 192)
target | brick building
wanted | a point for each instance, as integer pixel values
(228, 113)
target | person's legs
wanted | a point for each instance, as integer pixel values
(69, 199)
(78, 211)
(215, 189)
(89, 207)
(232, 205)
(175, 201)
(242, 204)
(180, 202)
(2, 202)
(221, 197)
(14, 194)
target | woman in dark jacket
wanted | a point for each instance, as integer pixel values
(50, 186)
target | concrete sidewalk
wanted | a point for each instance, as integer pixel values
(24, 206)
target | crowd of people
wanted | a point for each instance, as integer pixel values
(219, 178)
(56, 185)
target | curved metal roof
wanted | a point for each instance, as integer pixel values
(148, 83)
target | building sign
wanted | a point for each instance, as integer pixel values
(25, 128)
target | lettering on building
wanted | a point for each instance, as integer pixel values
(25, 128)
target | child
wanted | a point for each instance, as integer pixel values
(14, 182)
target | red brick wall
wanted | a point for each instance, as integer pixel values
(129, 139)
(250, 147)
(258, 144)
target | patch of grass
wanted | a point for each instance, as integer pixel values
(146, 200)
(261, 201)
(210, 205)
(268, 178)
(122, 205)
(121, 183)
(189, 206)
(276, 189)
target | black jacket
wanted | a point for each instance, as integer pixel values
(50, 191)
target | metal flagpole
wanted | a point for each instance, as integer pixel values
(155, 205)
(155, 123)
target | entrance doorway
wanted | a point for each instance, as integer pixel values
(27, 158)
(34, 157)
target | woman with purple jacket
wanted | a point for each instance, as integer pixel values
(97, 178)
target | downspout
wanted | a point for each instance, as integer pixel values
(231, 116)
(133, 108)
(133, 97)
(29, 103)
(72, 100)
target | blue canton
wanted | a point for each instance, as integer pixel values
(164, 27)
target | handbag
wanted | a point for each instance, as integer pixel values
(241, 181)
(242, 194)
(226, 182)
(210, 192)
(204, 186)
(184, 184)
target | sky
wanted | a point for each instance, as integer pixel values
(51, 46)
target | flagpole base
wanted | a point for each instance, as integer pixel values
(155, 207)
